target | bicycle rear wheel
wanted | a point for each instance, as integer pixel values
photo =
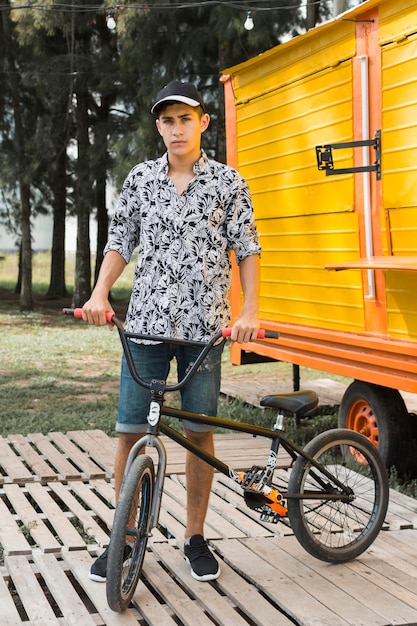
(131, 521)
(329, 525)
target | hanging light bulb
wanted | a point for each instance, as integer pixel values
(111, 22)
(249, 24)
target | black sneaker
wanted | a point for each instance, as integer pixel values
(98, 570)
(203, 564)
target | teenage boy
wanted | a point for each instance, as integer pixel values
(184, 213)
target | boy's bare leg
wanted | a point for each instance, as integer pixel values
(199, 477)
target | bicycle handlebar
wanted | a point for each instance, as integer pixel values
(225, 332)
(205, 347)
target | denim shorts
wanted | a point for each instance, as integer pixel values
(200, 394)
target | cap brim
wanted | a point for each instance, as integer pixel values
(184, 99)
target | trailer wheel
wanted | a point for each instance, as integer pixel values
(380, 414)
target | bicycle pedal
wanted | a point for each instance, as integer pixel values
(269, 516)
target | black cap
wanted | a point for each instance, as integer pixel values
(177, 91)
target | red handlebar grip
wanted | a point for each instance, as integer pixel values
(78, 313)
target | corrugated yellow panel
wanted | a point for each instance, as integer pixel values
(277, 135)
(323, 47)
(397, 19)
(399, 158)
(399, 127)
(401, 287)
(295, 287)
(403, 229)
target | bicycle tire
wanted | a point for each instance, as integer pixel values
(123, 574)
(332, 530)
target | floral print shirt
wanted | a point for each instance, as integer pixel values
(182, 276)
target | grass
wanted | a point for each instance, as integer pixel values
(59, 374)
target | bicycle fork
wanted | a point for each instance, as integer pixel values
(151, 440)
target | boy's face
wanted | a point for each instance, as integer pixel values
(181, 127)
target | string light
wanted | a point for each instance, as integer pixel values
(65, 7)
(111, 22)
(249, 23)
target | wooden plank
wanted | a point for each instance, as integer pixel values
(176, 504)
(291, 598)
(184, 608)
(220, 609)
(398, 263)
(398, 589)
(68, 600)
(100, 447)
(58, 460)
(79, 564)
(173, 528)
(401, 561)
(105, 489)
(244, 594)
(30, 592)
(12, 465)
(360, 583)
(90, 526)
(253, 606)
(80, 460)
(38, 465)
(295, 568)
(9, 613)
(402, 542)
(32, 521)
(151, 609)
(63, 528)
(99, 508)
(398, 516)
(11, 537)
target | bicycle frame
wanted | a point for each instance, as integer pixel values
(151, 439)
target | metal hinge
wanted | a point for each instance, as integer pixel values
(325, 156)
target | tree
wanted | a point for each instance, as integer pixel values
(19, 146)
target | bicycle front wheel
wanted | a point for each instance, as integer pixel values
(334, 523)
(131, 523)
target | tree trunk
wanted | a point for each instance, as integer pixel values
(312, 13)
(26, 298)
(57, 287)
(82, 282)
(101, 133)
(223, 52)
(339, 6)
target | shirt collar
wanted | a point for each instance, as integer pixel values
(200, 166)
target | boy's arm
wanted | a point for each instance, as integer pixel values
(95, 309)
(246, 326)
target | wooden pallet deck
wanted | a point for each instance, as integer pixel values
(56, 510)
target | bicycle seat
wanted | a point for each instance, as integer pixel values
(300, 403)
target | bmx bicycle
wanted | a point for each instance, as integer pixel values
(335, 499)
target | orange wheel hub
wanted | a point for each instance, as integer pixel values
(362, 419)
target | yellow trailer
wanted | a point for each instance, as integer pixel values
(324, 129)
